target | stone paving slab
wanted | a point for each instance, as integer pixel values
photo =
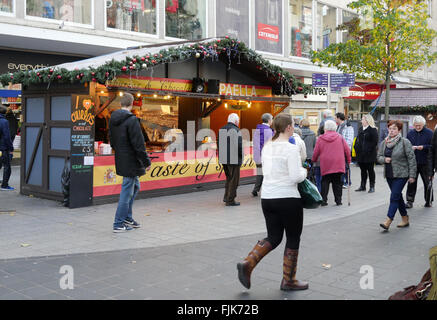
(40, 227)
(206, 270)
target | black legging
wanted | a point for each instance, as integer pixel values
(280, 214)
(367, 168)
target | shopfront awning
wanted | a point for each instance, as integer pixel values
(10, 93)
(409, 97)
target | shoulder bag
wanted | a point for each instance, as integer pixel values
(311, 198)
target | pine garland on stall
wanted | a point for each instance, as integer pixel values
(231, 49)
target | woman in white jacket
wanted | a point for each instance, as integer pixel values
(281, 204)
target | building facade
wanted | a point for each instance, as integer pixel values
(284, 31)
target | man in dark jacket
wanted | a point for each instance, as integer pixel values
(420, 137)
(6, 148)
(230, 148)
(262, 133)
(13, 123)
(131, 160)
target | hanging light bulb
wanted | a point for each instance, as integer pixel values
(120, 93)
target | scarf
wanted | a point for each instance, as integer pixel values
(391, 142)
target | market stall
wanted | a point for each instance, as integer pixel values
(183, 95)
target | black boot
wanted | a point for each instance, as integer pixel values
(372, 189)
(361, 188)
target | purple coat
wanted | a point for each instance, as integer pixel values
(262, 134)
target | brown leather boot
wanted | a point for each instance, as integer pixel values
(245, 268)
(386, 224)
(289, 281)
(405, 222)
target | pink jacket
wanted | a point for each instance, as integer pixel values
(333, 152)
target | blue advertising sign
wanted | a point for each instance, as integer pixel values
(342, 80)
(320, 80)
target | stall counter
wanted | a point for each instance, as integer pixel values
(168, 170)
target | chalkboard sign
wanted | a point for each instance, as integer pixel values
(82, 151)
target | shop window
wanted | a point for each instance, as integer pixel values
(326, 26)
(77, 11)
(301, 23)
(132, 15)
(347, 17)
(6, 6)
(185, 19)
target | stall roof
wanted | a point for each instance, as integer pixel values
(107, 67)
(409, 97)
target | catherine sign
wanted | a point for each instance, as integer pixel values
(233, 19)
(268, 24)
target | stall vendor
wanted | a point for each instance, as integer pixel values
(102, 120)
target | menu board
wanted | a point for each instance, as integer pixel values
(82, 151)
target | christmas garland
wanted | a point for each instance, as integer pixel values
(227, 48)
(407, 110)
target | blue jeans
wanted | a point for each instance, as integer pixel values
(318, 177)
(129, 190)
(396, 200)
(5, 161)
(344, 177)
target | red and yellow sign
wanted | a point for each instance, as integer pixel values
(160, 84)
(231, 89)
(179, 85)
(184, 169)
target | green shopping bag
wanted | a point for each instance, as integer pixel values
(311, 198)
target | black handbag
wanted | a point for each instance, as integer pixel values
(311, 198)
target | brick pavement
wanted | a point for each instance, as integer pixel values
(191, 252)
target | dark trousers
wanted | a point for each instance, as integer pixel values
(5, 160)
(337, 187)
(367, 168)
(232, 173)
(396, 200)
(412, 187)
(283, 214)
(259, 178)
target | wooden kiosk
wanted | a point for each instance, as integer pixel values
(186, 88)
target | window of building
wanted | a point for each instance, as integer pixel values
(430, 8)
(185, 19)
(132, 15)
(77, 11)
(6, 6)
(301, 23)
(326, 26)
(347, 17)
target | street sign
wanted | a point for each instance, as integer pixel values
(320, 80)
(342, 80)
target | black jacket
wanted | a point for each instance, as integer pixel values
(13, 125)
(126, 138)
(366, 145)
(227, 155)
(432, 155)
(5, 135)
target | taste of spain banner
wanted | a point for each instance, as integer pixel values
(184, 169)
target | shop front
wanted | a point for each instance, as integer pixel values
(361, 99)
(183, 96)
(312, 105)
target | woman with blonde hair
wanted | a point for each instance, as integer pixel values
(365, 149)
(281, 204)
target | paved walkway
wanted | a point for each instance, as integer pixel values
(37, 227)
(189, 245)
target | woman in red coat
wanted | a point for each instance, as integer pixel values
(333, 152)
